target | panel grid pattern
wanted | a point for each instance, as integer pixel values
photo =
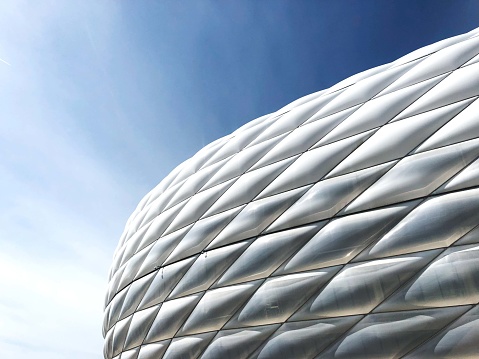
(345, 225)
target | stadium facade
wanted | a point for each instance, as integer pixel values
(344, 225)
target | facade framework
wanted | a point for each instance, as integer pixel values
(344, 225)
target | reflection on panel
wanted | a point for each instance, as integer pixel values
(267, 253)
(328, 197)
(391, 335)
(139, 326)
(397, 139)
(448, 59)
(468, 177)
(201, 233)
(459, 85)
(302, 138)
(130, 354)
(437, 222)
(380, 110)
(241, 163)
(188, 347)
(217, 307)
(463, 127)
(248, 186)
(417, 176)
(458, 340)
(359, 288)
(344, 225)
(237, 343)
(313, 165)
(165, 280)
(279, 297)
(452, 279)
(343, 238)
(256, 216)
(153, 350)
(206, 269)
(469, 238)
(170, 317)
(304, 339)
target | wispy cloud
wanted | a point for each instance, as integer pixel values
(5, 62)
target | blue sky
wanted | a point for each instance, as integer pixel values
(99, 100)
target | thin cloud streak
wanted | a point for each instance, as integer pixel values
(5, 62)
